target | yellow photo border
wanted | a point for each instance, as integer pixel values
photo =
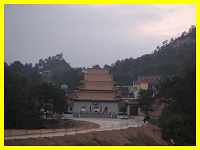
(194, 2)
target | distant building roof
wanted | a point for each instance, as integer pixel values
(142, 81)
(147, 79)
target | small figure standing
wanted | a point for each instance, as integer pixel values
(146, 118)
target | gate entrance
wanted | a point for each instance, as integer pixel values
(133, 110)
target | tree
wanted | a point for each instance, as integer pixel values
(178, 119)
(57, 71)
(96, 67)
(20, 111)
(145, 100)
(25, 94)
(164, 43)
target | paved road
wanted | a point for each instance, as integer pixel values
(105, 124)
(112, 124)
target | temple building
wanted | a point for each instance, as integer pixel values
(97, 96)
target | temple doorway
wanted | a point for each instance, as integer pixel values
(133, 110)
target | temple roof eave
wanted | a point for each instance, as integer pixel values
(96, 100)
(99, 90)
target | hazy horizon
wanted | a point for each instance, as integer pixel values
(91, 34)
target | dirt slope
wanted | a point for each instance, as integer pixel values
(146, 135)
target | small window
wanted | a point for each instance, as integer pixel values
(83, 109)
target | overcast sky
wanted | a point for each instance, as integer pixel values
(91, 34)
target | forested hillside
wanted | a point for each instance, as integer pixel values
(56, 70)
(169, 59)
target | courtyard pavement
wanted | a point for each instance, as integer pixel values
(104, 123)
(113, 124)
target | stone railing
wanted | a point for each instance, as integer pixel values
(95, 115)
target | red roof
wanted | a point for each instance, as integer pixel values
(142, 81)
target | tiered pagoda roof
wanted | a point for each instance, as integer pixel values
(97, 85)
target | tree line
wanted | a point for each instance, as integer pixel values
(25, 93)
